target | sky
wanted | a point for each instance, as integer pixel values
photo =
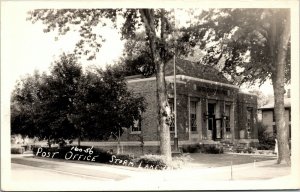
(28, 48)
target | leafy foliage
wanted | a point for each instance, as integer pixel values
(199, 148)
(69, 104)
(252, 45)
(17, 150)
(134, 20)
(243, 41)
(266, 139)
(262, 99)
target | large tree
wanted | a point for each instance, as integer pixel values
(251, 45)
(157, 26)
(24, 99)
(69, 104)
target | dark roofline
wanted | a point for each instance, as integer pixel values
(271, 108)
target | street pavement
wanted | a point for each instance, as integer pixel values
(30, 173)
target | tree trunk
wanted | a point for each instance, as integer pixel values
(79, 139)
(162, 104)
(162, 99)
(278, 78)
(79, 134)
(49, 143)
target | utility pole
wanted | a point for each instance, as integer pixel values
(175, 108)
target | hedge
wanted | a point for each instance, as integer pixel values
(17, 150)
(93, 154)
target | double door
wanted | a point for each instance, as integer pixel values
(214, 124)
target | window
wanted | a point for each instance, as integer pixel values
(172, 124)
(273, 116)
(137, 124)
(211, 115)
(274, 130)
(227, 118)
(210, 123)
(290, 131)
(136, 127)
(249, 119)
(193, 117)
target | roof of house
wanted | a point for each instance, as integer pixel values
(270, 105)
(188, 68)
(192, 69)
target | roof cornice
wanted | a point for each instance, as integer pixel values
(184, 77)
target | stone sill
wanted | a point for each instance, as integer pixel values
(135, 132)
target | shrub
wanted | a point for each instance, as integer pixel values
(157, 161)
(26, 147)
(266, 139)
(17, 150)
(253, 144)
(206, 148)
(194, 148)
(248, 150)
(103, 156)
(213, 149)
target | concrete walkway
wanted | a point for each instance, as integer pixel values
(261, 175)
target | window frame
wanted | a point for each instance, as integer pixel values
(227, 124)
(193, 117)
(172, 122)
(139, 127)
(250, 119)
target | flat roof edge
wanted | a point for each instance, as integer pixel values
(184, 77)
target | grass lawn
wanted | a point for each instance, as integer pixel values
(220, 160)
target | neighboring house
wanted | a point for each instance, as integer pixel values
(268, 115)
(209, 109)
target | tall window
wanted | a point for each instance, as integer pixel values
(137, 124)
(249, 118)
(211, 116)
(193, 117)
(136, 127)
(290, 131)
(274, 130)
(172, 124)
(227, 118)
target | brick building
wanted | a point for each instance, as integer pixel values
(209, 109)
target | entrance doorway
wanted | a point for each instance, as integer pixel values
(214, 124)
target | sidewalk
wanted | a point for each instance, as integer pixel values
(256, 170)
(261, 175)
(264, 175)
(72, 166)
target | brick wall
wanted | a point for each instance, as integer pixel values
(186, 89)
(244, 102)
(149, 131)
